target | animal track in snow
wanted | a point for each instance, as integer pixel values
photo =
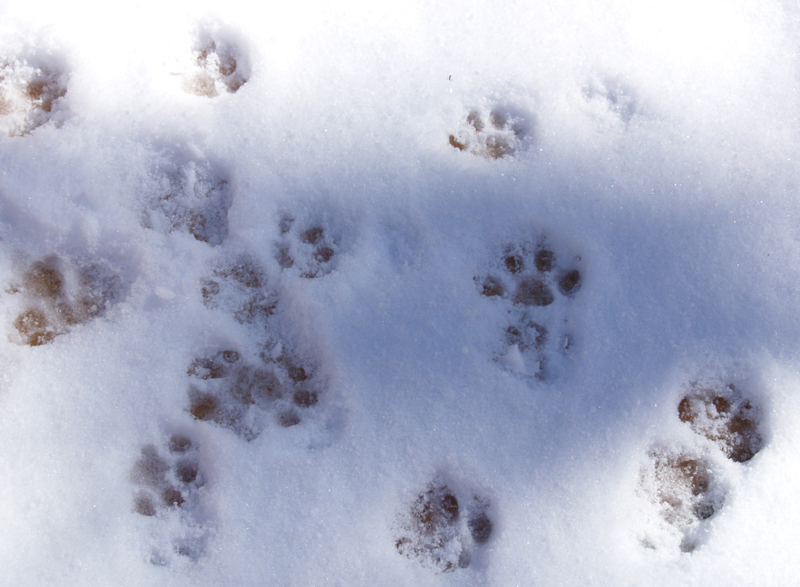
(169, 486)
(683, 484)
(684, 487)
(241, 288)
(441, 531)
(191, 194)
(535, 286)
(723, 415)
(60, 295)
(607, 95)
(31, 92)
(238, 394)
(491, 134)
(218, 64)
(309, 248)
(242, 389)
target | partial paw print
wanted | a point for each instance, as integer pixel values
(169, 483)
(441, 531)
(491, 134)
(535, 286)
(242, 289)
(31, 92)
(193, 195)
(309, 248)
(59, 295)
(243, 395)
(725, 416)
(218, 64)
(685, 485)
(606, 95)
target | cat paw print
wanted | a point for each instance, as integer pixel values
(685, 485)
(218, 64)
(310, 249)
(59, 295)
(241, 288)
(169, 486)
(244, 395)
(723, 415)
(441, 531)
(31, 92)
(190, 194)
(534, 286)
(492, 134)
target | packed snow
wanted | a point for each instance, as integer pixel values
(422, 293)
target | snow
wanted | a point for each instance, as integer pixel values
(379, 274)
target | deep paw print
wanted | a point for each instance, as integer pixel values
(60, 295)
(241, 288)
(244, 395)
(535, 285)
(168, 483)
(192, 195)
(494, 134)
(218, 65)
(310, 249)
(441, 531)
(683, 486)
(725, 416)
(31, 92)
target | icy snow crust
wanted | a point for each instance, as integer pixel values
(431, 294)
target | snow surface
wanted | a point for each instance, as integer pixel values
(305, 184)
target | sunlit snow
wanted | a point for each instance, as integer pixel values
(434, 293)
